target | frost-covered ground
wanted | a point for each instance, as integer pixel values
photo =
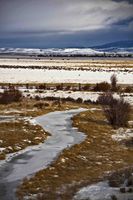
(102, 191)
(4, 118)
(74, 94)
(64, 70)
(65, 63)
(92, 96)
(19, 75)
(122, 134)
(63, 135)
(64, 94)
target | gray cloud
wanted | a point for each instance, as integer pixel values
(61, 15)
(65, 20)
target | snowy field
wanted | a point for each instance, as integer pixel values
(11, 75)
(92, 96)
(64, 70)
(102, 191)
(65, 63)
(75, 95)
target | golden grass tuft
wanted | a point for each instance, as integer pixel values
(82, 164)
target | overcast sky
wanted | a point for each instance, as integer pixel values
(64, 23)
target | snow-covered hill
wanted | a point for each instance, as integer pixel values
(69, 51)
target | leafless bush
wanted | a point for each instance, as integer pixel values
(59, 87)
(105, 98)
(113, 80)
(37, 98)
(86, 87)
(117, 178)
(117, 111)
(79, 100)
(128, 89)
(9, 96)
(41, 105)
(42, 87)
(103, 86)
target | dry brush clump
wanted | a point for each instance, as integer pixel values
(117, 111)
(106, 87)
(113, 80)
(103, 86)
(128, 89)
(9, 96)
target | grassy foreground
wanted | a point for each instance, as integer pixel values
(83, 164)
(18, 133)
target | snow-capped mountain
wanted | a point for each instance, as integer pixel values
(67, 51)
(109, 51)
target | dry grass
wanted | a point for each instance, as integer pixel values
(83, 164)
(17, 134)
(68, 62)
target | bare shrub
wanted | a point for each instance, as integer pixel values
(103, 86)
(113, 80)
(117, 111)
(117, 178)
(68, 87)
(42, 87)
(86, 87)
(9, 96)
(79, 100)
(59, 87)
(113, 197)
(37, 98)
(79, 87)
(105, 98)
(41, 105)
(128, 89)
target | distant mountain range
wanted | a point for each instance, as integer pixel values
(121, 48)
(118, 44)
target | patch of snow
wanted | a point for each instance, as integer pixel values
(101, 191)
(19, 75)
(122, 134)
(68, 51)
(2, 149)
(6, 118)
(33, 121)
(75, 95)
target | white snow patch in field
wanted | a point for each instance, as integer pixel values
(122, 134)
(101, 191)
(33, 121)
(6, 118)
(75, 95)
(2, 149)
(59, 76)
(62, 63)
(64, 94)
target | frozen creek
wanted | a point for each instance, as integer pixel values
(25, 164)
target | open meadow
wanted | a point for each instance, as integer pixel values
(66, 129)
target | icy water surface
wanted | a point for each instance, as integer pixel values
(63, 135)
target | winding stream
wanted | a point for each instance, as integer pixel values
(63, 135)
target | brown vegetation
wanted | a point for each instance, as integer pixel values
(83, 164)
(9, 96)
(117, 111)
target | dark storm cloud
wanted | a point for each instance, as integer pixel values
(129, 1)
(64, 21)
